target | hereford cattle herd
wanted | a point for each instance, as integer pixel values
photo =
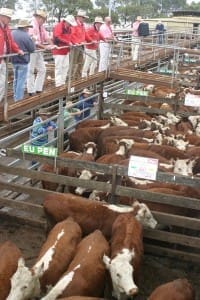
(94, 249)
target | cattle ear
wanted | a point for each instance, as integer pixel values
(106, 261)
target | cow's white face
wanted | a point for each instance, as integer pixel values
(197, 130)
(183, 167)
(144, 215)
(170, 95)
(118, 122)
(180, 144)
(121, 271)
(24, 284)
(86, 175)
(194, 120)
(158, 139)
(128, 142)
(172, 119)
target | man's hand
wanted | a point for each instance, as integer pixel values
(50, 47)
(21, 52)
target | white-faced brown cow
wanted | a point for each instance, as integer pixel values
(179, 289)
(91, 214)
(126, 255)
(53, 260)
(9, 257)
(86, 273)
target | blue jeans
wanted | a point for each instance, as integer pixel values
(20, 76)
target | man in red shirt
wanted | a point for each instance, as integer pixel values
(78, 38)
(93, 36)
(62, 39)
(7, 45)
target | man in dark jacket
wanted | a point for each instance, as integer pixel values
(7, 45)
(84, 105)
(160, 29)
(20, 63)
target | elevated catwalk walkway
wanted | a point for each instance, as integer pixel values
(120, 69)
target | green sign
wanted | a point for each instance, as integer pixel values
(40, 150)
(137, 92)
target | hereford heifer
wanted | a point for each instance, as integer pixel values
(92, 215)
(54, 259)
(179, 289)
(126, 255)
(9, 257)
(86, 273)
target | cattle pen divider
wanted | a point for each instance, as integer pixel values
(182, 241)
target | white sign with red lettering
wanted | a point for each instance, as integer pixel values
(192, 100)
(143, 167)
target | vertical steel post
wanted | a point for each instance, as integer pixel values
(71, 59)
(101, 101)
(60, 130)
(5, 107)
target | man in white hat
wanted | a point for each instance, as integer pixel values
(62, 38)
(93, 36)
(105, 47)
(136, 39)
(20, 63)
(78, 38)
(42, 41)
(84, 104)
(7, 45)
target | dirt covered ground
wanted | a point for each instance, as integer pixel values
(155, 270)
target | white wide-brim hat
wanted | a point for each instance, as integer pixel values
(71, 20)
(23, 24)
(98, 20)
(40, 13)
(82, 13)
(44, 111)
(86, 91)
(6, 12)
(139, 18)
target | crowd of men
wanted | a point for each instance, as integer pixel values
(70, 41)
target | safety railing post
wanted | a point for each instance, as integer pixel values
(60, 125)
(5, 107)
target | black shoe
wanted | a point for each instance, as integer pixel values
(38, 92)
(30, 94)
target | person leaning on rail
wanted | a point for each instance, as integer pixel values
(20, 63)
(160, 30)
(61, 38)
(136, 39)
(42, 128)
(85, 105)
(93, 36)
(7, 45)
(42, 40)
(79, 39)
(105, 47)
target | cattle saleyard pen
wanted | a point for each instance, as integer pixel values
(179, 237)
(172, 248)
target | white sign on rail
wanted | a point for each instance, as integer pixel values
(143, 167)
(192, 100)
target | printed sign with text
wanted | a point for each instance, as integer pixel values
(192, 100)
(143, 167)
